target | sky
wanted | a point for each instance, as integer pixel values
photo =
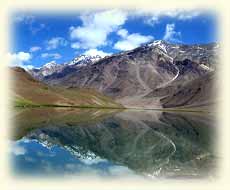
(33, 158)
(40, 38)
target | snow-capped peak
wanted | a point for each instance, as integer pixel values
(50, 68)
(160, 44)
(85, 59)
(50, 65)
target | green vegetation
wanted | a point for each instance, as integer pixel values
(21, 102)
(31, 93)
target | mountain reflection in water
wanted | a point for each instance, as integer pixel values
(113, 143)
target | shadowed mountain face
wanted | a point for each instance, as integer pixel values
(143, 76)
(153, 144)
(197, 93)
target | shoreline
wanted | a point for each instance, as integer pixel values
(119, 108)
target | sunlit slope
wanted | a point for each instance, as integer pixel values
(30, 92)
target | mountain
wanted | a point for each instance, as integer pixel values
(45, 70)
(84, 60)
(52, 67)
(198, 93)
(29, 92)
(146, 76)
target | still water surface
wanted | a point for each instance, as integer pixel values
(113, 143)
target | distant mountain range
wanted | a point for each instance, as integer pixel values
(155, 75)
(52, 67)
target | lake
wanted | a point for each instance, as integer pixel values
(113, 143)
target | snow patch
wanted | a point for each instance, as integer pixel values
(160, 44)
(84, 60)
(50, 65)
(205, 67)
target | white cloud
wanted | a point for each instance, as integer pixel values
(130, 41)
(153, 17)
(75, 45)
(70, 166)
(171, 34)
(30, 159)
(28, 67)
(34, 28)
(96, 28)
(51, 55)
(182, 15)
(19, 59)
(121, 171)
(23, 56)
(35, 48)
(18, 150)
(90, 161)
(93, 52)
(30, 20)
(122, 32)
(152, 20)
(27, 19)
(55, 42)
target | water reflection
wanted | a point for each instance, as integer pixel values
(113, 143)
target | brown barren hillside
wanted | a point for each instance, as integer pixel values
(197, 93)
(153, 76)
(28, 91)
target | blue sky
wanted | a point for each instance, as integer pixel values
(39, 38)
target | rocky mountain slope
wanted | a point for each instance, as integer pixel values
(147, 76)
(52, 67)
(26, 91)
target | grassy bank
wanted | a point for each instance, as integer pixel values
(23, 103)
